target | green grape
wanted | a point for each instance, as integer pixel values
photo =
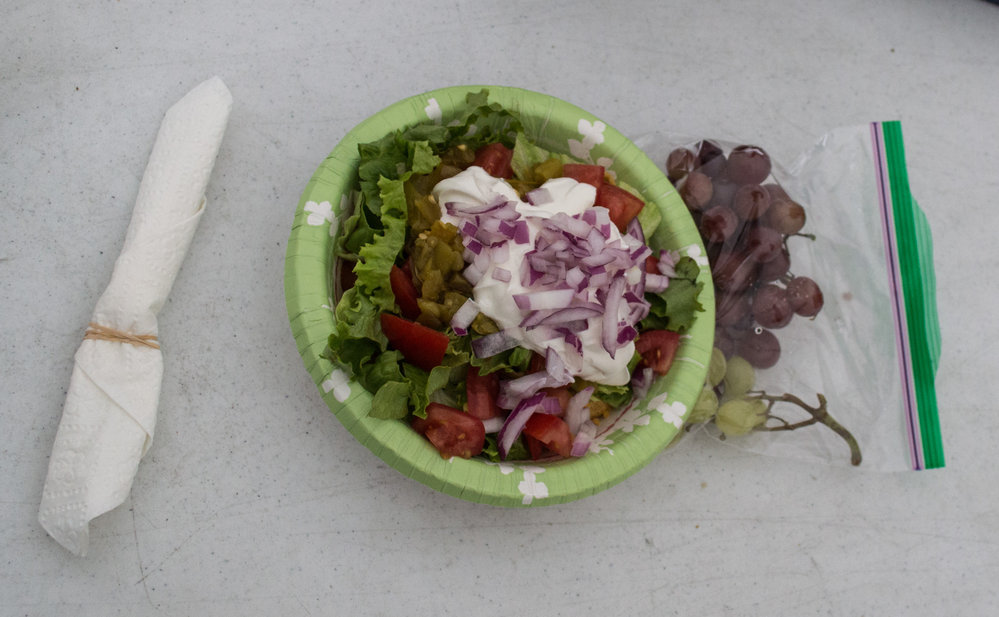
(740, 416)
(705, 407)
(739, 377)
(716, 369)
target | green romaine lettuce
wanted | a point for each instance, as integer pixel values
(674, 308)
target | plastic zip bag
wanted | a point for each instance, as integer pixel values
(827, 343)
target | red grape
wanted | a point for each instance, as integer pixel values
(734, 273)
(748, 165)
(764, 243)
(696, 190)
(804, 296)
(771, 308)
(776, 268)
(711, 158)
(761, 348)
(786, 216)
(724, 342)
(751, 201)
(679, 163)
(723, 192)
(775, 191)
(733, 309)
(719, 224)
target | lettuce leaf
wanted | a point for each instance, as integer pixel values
(390, 400)
(674, 308)
(527, 155)
(424, 385)
(516, 360)
(484, 123)
(615, 396)
(518, 451)
(375, 259)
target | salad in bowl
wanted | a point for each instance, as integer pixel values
(498, 302)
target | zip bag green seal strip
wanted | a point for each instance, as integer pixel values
(909, 253)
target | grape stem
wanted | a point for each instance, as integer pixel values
(819, 415)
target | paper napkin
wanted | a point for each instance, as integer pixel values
(110, 410)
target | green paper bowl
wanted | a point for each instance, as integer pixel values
(627, 441)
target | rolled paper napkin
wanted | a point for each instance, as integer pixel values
(110, 410)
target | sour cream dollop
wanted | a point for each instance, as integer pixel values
(500, 291)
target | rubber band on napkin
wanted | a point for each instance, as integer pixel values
(98, 332)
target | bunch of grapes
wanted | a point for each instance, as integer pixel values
(745, 219)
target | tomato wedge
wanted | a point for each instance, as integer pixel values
(562, 395)
(534, 447)
(550, 430)
(623, 206)
(658, 348)
(495, 159)
(421, 346)
(589, 174)
(482, 392)
(452, 431)
(405, 292)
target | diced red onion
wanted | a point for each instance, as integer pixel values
(626, 334)
(568, 332)
(569, 224)
(494, 424)
(575, 278)
(468, 229)
(667, 262)
(528, 275)
(464, 317)
(639, 254)
(515, 422)
(459, 209)
(635, 230)
(544, 333)
(474, 246)
(558, 373)
(491, 344)
(545, 299)
(656, 283)
(515, 390)
(536, 318)
(501, 274)
(596, 240)
(507, 229)
(506, 214)
(573, 313)
(576, 412)
(551, 406)
(637, 311)
(538, 196)
(598, 260)
(641, 381)
(615, 296)
(482, 261)
(599, 280)
(521, 232)
(472, 274)
(584, 437)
